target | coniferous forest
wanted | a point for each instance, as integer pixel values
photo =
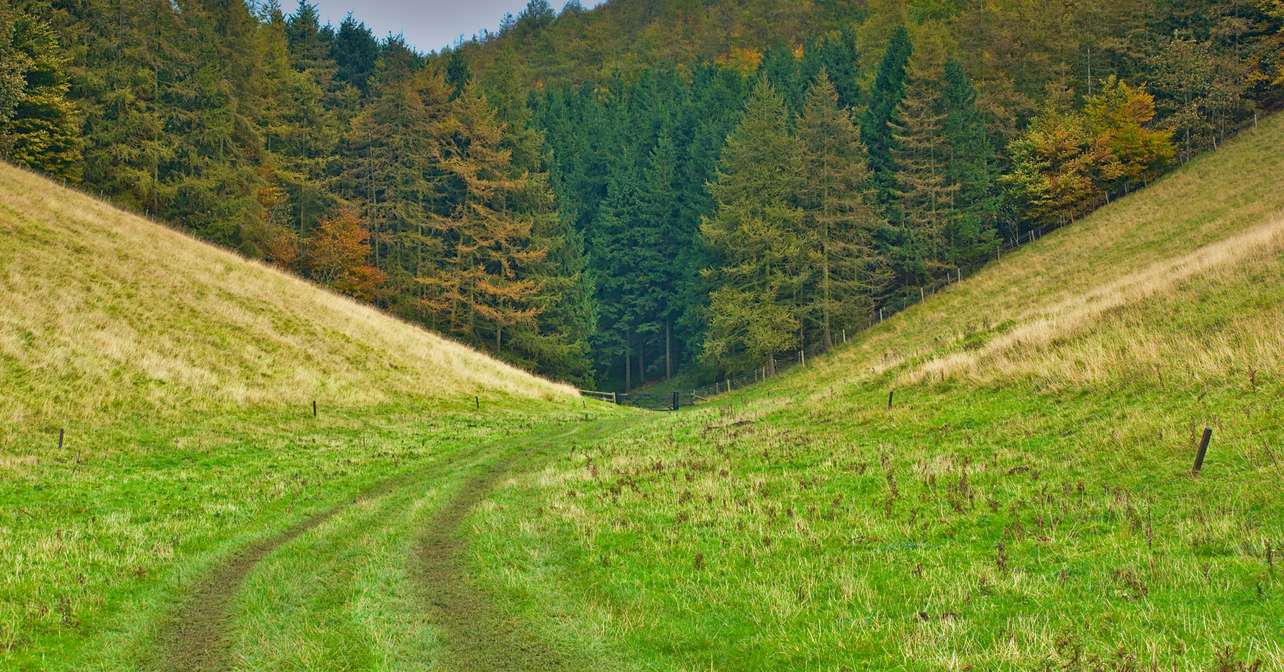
(615, 196)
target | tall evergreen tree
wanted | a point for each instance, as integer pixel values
(971, 169)
(781, 68)
(757, 239)
(925, 199)
(840, 215)
(355, 52)
(875, 129)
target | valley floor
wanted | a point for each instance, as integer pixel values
(1025, 502)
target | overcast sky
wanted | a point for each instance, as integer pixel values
(428, 25)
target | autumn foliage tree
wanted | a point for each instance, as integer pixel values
(483, 283)
(1130, 152)
(338, 256)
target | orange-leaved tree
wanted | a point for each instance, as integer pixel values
(338, 255)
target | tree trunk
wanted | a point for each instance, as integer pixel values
(668, 353)
(628, 373)
(641, 362)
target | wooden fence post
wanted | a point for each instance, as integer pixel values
(677, 400)
(477, 400)
(60, 434)
(889, 399)
(1203, 450)
(314, 408)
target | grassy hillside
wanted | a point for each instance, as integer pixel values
(103, 314)
(1026, 503)
(183, 377)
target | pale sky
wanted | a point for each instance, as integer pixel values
(428, 25)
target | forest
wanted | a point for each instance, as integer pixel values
(617, 196)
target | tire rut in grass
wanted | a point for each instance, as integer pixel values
(480, 637)
(197, 636)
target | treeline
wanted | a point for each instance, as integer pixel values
(558, 200)
(323, 150)
(857, 173)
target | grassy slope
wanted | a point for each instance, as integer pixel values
(184, 376)
(1027, 504)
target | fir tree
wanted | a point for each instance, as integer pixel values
(355, 52)
(840, 215)
(925, 199)
(756, 235)
(971, 168)
(875, 128)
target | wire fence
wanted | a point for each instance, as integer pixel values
(786, 361)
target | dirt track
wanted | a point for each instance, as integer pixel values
(197, 637)
(479, 636)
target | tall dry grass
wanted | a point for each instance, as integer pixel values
(104, 314)
(1113, 329)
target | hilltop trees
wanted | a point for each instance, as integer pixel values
(565, 194)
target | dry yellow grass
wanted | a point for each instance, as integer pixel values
(1034, 348)
(105, 315)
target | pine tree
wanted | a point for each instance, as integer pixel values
(840, 215)
(757, 239)
(971, 167)
(782, 70)
(355, 52)
(925, 200)
(875, 128)
(558, 346)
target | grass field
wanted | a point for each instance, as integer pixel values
(1027, 502)
(184, 378)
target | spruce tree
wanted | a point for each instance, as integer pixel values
(840, 215)
(971, 167)
(875, 128)
(756, 236)
(925, 199)
(355, 52)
